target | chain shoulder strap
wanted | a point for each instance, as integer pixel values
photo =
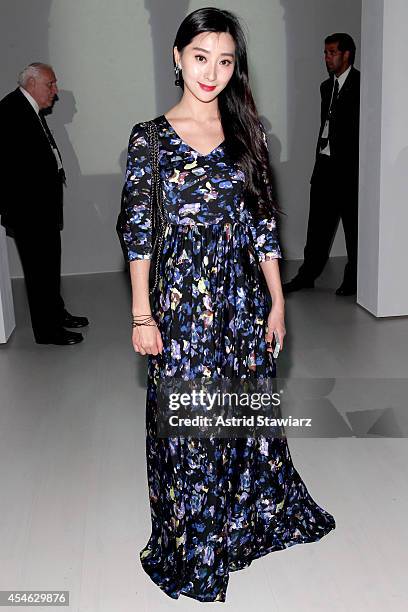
(157, 216)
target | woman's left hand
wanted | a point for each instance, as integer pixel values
(275, 323)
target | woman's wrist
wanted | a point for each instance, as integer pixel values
(143, 320)
(141, 310)
(278, 304)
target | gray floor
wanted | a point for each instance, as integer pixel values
(75, 513)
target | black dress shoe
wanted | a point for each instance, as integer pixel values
(61, 337)
(70, 321)
(345, 289)
(296, 284)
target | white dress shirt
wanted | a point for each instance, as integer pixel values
(37, 110)
(325, 133)
(30, 99)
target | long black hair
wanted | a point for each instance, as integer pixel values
(245, 139)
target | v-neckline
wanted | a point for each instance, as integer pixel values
(189, 146)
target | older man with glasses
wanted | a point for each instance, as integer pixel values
(32, 177)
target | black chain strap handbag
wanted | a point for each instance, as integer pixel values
(157, 215)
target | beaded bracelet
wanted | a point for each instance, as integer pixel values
(146, 320)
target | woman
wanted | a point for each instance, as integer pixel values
(216, 503)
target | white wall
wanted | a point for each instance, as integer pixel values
(7, 319)
(114, 65)
(382, 287)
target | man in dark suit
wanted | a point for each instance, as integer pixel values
(32, 180)
(334, 182)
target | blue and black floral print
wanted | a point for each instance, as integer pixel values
(216, 503)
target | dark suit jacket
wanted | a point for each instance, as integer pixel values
(344, 124)
(31, 186)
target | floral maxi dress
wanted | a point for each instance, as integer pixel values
(216, 504)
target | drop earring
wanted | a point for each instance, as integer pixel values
(177, 70)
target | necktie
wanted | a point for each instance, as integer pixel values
(52, 142)
(324, 139)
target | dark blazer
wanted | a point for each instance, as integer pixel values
(344, 123)
(31, 186)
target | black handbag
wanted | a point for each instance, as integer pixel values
(157, 216)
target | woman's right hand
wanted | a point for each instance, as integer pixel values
(146, 340)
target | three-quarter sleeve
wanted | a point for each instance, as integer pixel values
(264, 232)
(134, 223)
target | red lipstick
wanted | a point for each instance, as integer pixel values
(207, 87)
